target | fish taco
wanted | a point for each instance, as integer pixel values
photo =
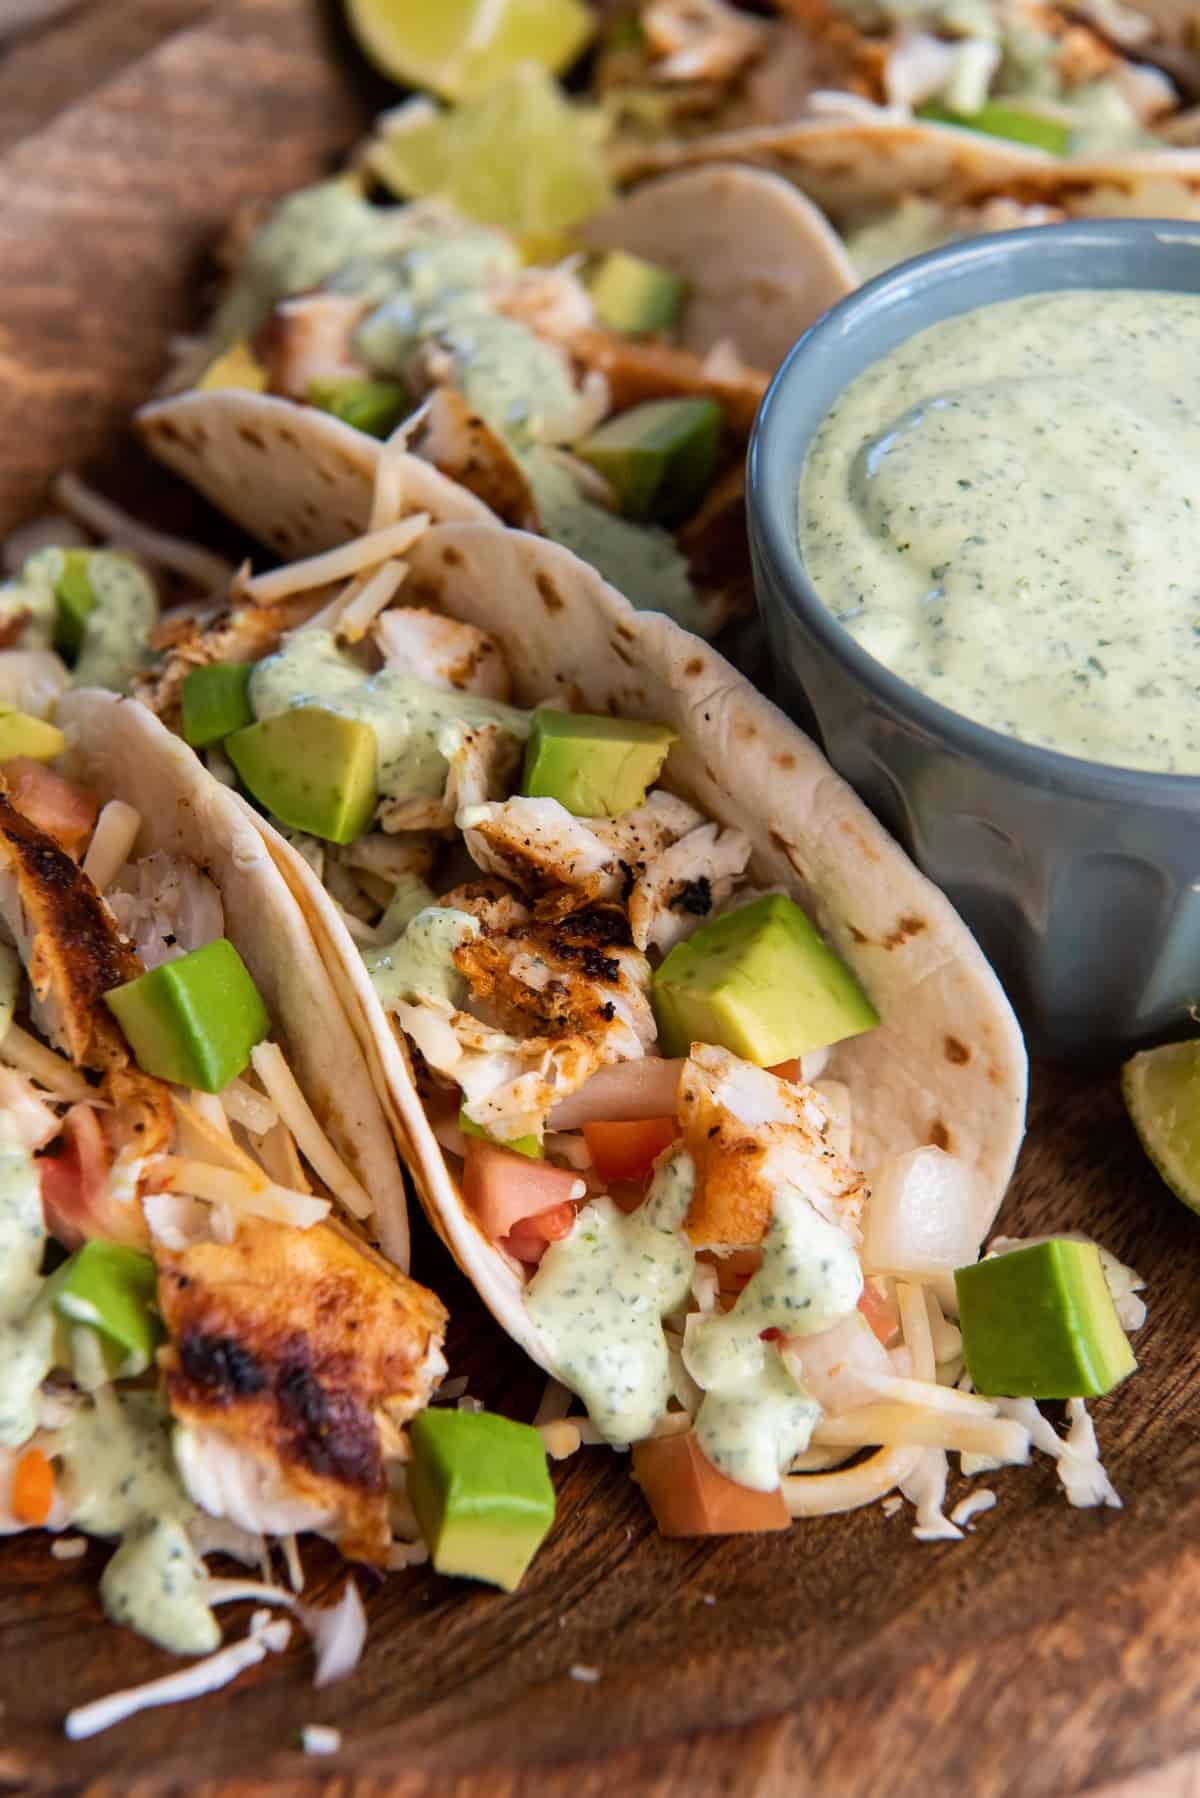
(209, 1341)
(658, 1002)
(604, 400)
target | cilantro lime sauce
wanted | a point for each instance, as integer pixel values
(118, 1461)
(420, 963)
(1002, 511)
(116, 631)
(408, 715)
(599, 1297)
(754, 1418)
(26, 1328)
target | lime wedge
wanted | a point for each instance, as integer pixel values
(461, 48)
(1162, 1096)
(522, 158)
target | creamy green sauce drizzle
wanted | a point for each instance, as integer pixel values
(115, 635)
(754, 1418)
(26, 1329)
(599, 1296)
(118, 1458)
(420, 963)
(407, 715)
(1002, 511)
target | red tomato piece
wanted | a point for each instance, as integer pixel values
(789, 1070)
(528, 1240)
(62, 809)
(627, 1151)
(880, 1313)
(690, 1498)
(503, 1188)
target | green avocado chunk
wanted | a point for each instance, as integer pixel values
(215, 702)
(632, 296)
(481, 1493)
(73, 591)
(372, 406)
(994, 119)
(659, 458)
(1040, 1323)
(21, 734)
(114, 1289)
(193, 1020)
(596, 767)
(520, 1145)
(759, 982)
(313, 770)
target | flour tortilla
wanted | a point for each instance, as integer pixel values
(947, 1064)
(122, 752)
(846, 164)
(761, 263)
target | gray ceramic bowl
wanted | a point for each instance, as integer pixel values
(1082, 881)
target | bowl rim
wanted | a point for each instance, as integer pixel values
(775, 539)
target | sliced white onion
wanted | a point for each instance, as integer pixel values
(924, 1216)
(338, 1633)
(836, 1366)
(32, 679)
(622, 1092)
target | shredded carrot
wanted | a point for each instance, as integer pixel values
(33, 1488)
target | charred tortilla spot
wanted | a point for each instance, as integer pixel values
(694, 665)
(170, 433)
(622, 655)
(857, 935)
(451, 557)
(254, 438)
(939, 1136)
(551, 598)
(957, 1051)
(785, 759)
(906, 928)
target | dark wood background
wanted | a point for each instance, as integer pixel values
(1052, 1652)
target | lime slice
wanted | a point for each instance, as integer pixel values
(1162, 1096)
(461, 48)
(522, 158)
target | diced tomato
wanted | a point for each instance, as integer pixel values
(503, 1189)
(77, 1198)
(789, 1070)
(32, 1488)
(62, 809)
(646, 1088)
(627, 1151)
(527, 1240)
(881, 1313)
(690, 1498)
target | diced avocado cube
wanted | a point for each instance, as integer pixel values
(215, 702)
(759, 982)
(313, 770)
(659, 458)
(372, 406)
(632, 296)
(193, 1020)
(1041, 1323)
(997, 120)
(520, 1145)
(596, 767)
(481, 1493)
(73, 591)
(236, 366)
(114, 1289)
(22, 735)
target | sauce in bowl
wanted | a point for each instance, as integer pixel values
(1005, 511)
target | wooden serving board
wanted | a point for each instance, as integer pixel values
(1052, 1652)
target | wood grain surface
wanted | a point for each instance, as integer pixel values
(1052, 1652)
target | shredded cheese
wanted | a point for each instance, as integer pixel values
(252, 1110)
(925, 1488)
(891, 1424)
(338, 564)
(68, 1548)
(295, 1566)
(316, 1738)
(225, 1186)
(112, 840)
(199, 565)
(973, 1505)
(933, 1398)
(827, 1494)
(560, 1438)
(209, 1675)
(51, 1070)
(280, 1085)
(208, 1107)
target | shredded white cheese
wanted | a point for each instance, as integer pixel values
(338, 564)
(559, 1438)
(223, 1186)
(112, 840)
(202, 566)
(290, 1550)
(586, 1675)
(1080, 1469)
(892, 1504)
(68, 1548)
(209, 1675)
(317, 1738)
(52, 1071)
(925, 1488)
(280, 1085)
(252, 1110)
(973, 1505)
